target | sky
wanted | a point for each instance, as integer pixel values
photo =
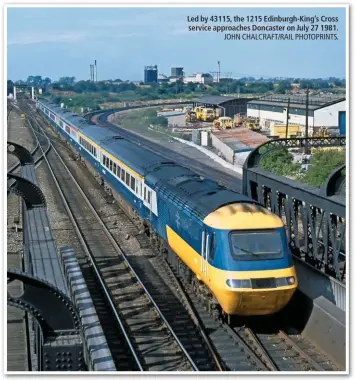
(58, 42)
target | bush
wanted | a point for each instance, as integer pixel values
(279, 162)
(324, 162)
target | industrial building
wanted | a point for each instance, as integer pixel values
(236, 144)
(224, 105)
(203, 78)
(162, 78)
(325, 111)
(177, 72)
(151, 74)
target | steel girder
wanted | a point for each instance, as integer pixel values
(20, 152)
(58, 342)
(315, 222)
(335, 182)
(28, 191)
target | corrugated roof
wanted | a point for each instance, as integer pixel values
(298, 101)
(215, 99)
(240, 138)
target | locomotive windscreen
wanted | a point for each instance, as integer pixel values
(256, 244)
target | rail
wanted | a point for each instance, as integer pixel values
(97, 271)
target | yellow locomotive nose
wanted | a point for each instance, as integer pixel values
(258, 293)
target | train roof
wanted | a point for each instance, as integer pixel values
(136, 157)
(68, 116)
(199, 195)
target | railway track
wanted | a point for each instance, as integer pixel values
(225, 351)
(280, 352)
(154, 344)
(233, 349)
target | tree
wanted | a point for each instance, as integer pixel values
(67, 80)
(282, 86)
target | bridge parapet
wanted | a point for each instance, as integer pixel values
(315, 219)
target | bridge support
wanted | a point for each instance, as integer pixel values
(20, 152)
(14, 92)
(58, 343)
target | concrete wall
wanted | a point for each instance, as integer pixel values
(320, 308)
(279, 118)
(329, 116)
(315, 284)
(225, 149)
(239, 158)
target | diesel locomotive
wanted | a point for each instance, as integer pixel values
(233, 247)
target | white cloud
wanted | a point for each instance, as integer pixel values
(28, 38)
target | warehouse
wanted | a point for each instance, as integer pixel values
(225, 105)
(326, 111)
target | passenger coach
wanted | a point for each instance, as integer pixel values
(228, 244)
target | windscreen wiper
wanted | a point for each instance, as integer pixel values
(246, 251)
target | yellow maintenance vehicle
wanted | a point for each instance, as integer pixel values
(205, 114)
(252, 123)
(190, 116)
(321, 132)
(238, 120)
(280, 130)
(223, 122)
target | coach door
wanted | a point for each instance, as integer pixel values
(205, 248)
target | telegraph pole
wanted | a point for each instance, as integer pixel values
(219, 71)
(96, 70)
(287, 116)
(306, 132)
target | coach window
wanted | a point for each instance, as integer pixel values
(122, 174)
(111, 165)
(133, 183)
(118, 171)
(148, 200)
(114, 168)
(103, 160)
(127, 178)
(145, 193)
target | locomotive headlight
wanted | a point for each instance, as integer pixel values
(285, 281)
(239, 283)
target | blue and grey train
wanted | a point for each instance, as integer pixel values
(231, 244)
